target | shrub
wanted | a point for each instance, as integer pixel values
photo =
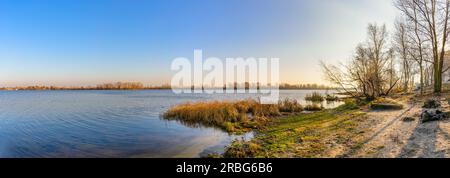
(315, 97)
(288, 105)
(241, 149)
(229, 127)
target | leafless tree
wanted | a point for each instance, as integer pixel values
(402, 47)
(430, 18)
(371, 72)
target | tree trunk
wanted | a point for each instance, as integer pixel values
(437, 81)
(421, 79)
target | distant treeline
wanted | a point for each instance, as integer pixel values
(283, 86)
(106, 86)
(140, 86)
(286, 86)
(120, 86)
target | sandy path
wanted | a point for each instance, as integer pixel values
(391, 137)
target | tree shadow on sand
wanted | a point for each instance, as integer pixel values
(353, 151)
(423, 140)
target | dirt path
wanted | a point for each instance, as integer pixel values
(391, 137)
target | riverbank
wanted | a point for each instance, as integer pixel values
(278, 127)
(325, 133)
(286, 130)
(348, 133)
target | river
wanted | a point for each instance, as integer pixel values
(108, 124)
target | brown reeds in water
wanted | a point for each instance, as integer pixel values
(232, 116)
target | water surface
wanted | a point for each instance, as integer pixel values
(107, 124)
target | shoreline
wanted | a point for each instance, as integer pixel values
(300, 135)
(352, 133)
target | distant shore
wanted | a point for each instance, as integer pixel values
(140, 86)
(26, 89)
(76, 89)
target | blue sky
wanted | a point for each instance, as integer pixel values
(85, 42)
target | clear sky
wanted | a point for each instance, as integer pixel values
(85, 42)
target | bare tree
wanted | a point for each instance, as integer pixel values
(402, 47)
(340, 78)
(371, 72)
(430, 18)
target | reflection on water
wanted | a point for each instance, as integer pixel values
(106, 124)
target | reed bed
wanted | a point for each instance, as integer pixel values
(315, 97)
(232, 116)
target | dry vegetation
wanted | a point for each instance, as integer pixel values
(315, 97)
(385, 104)
(232, 116)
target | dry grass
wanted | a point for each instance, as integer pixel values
(242, 149)
(232, 116)
(289, 106)
(385, 104)
(315, 97)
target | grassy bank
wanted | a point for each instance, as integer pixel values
(304, 135)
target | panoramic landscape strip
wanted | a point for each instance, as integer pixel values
(225, 87)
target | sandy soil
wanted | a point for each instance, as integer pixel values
(391, 137)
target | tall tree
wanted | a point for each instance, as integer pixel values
(431, 18)
(402, 46)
